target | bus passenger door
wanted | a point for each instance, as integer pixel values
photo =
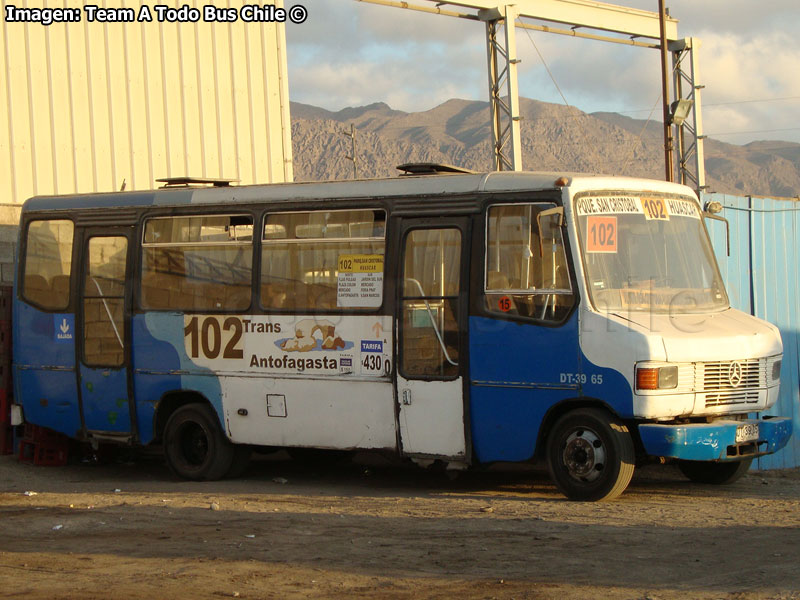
(431, 337)
(103, 326)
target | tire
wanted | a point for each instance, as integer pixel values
(194, 445)
(590, 455)
(240, 462)
(716, 473)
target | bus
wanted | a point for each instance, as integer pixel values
(457, 319)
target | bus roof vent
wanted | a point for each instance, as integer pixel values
(181, 182)
(430, 169)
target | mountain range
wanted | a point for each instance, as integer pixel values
(554, 138)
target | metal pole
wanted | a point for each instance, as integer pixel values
(494, 94)
(512, 88)
(665, 71)
(504, 109)
(352, 135)
(680, 150)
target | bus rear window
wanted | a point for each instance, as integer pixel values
(323, 260)
(48, 263)
(197, 262)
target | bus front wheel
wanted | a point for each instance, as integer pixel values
(717, 473)
(194, 445)
(590, 455)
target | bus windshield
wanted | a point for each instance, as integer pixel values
(647, 253)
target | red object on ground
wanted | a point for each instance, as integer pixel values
(44, 447)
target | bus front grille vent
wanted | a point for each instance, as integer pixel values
(731, 382)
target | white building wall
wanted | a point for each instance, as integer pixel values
(88, 106)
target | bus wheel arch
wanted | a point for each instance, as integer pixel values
(195, 446)
(555, 412)
(168, 404)
(590, 454)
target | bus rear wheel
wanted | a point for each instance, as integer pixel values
(590, 455)
(194, 445)
(716, 473)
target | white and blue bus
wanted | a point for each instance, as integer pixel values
(459, 318)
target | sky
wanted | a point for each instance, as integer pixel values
(351, 53)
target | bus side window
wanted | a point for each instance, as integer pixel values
(197, 262)
(48, 263)
(527, 273)
(430, 290)
(104, 301)
(303, 252)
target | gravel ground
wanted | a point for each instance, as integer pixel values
(368, 529)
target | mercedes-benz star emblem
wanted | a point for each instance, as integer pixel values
(735, 374)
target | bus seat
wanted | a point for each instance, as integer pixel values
(149, 281)
(297, 296)
(203, 296)
(212, 295)
(155, 290)
(37, 290)
(497, 281)
(60, 286)
(167, 260)
(273, 295)
(181, 294)
(237, 297)
(324, 297)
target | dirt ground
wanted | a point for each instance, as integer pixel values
(291, 529)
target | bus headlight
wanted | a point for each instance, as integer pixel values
(656, 378)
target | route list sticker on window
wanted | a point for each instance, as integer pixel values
(360, 280)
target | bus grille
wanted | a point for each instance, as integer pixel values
(731, 382)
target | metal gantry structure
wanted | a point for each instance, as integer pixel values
(689, 150)
(592, 20)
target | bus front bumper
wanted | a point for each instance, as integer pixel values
(720, 440)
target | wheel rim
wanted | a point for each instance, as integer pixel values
(193, 443)
(584, 455)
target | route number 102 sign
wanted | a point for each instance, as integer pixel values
(601, 234)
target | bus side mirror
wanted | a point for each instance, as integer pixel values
(558, 211)
(715, 217)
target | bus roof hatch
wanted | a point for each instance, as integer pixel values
(173, 182)
(430, 169)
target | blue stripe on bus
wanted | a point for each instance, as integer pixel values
(46, 385)
(518, 372)
(161, 365)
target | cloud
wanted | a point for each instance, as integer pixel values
(752, 85)
(760, 65)
(350, 53)
(346, 27)
(591, 75)
(380, 54)
(363, 82)
(741, 17)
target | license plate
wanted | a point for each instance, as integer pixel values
(747, 433)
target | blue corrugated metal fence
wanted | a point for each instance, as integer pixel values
(762, 274)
